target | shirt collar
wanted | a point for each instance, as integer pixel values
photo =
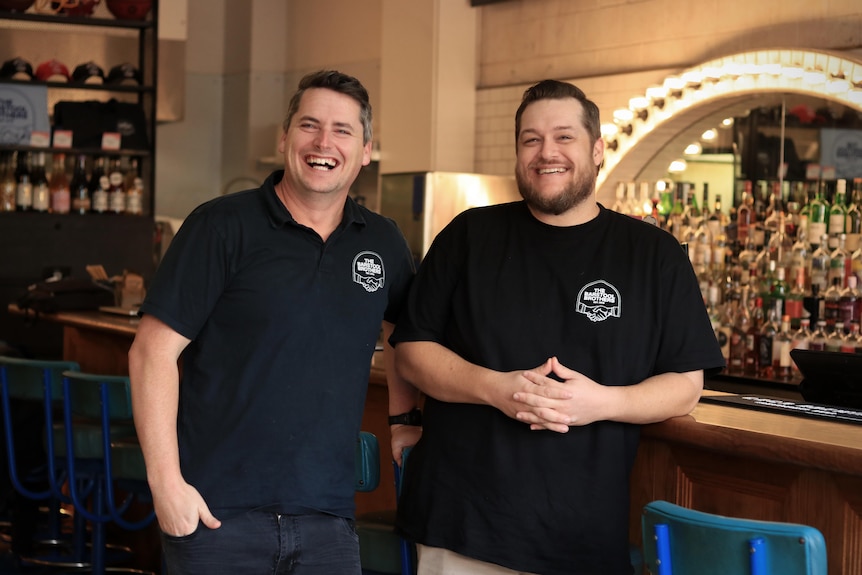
(280, 216)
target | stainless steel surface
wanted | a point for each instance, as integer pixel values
(422, 203)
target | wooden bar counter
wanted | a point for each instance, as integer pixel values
(720, 459)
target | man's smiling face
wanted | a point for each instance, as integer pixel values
(557, 163)
(323, 147)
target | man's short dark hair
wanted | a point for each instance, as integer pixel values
(337, 82)
(556, 90)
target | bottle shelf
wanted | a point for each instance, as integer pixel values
(76, 151)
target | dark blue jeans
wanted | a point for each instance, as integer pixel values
(263, 543)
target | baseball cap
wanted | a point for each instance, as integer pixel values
(16, 69)
(52, 71)
(123, 73)
(88, 73)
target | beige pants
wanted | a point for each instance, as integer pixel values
(438, 561)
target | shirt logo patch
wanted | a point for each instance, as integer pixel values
(368, 271)
(598, 301)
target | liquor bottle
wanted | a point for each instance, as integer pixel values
(116, 193)
(801, 339)
(739, 332)
(835, 339)
(745, 218)
(7, 185)
(839, 263)
(645, 200)
(798, 259)
(781, 364)
(716, 220)
(725, 330)
(41, 191)
(819, 337)
(134, 186)
(848, 345)
(819, 265)
(80, 187)
(856, 265)
(849, 303)
(817, 219)
(61, 198)
(100, 198)
(838, 211)
(665, 204)
(619, 195)
(23, 183)
(853, 223)
(793, 302)
(831, 303)
(813, 305)
(691, 215)
(767, 336)
(99, 169)
(779, 289)
(751, 361)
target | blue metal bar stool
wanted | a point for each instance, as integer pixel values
(103, 454)
(382, 550)
(39, 381)
(681, 541)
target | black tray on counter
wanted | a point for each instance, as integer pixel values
(830, 378)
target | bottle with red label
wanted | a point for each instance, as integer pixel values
(61, 200)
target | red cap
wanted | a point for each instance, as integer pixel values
(52, 71)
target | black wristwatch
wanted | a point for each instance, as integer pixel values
(412, 417)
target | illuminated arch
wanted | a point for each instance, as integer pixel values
(684, 106)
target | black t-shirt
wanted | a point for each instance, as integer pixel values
(615, 299)
(283, 327)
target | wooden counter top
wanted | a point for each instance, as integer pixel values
(822, 444)
(96, 320)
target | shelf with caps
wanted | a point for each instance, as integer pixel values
(97, 72)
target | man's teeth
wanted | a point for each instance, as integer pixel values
(551, 170)
(321, 163)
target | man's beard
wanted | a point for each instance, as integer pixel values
(574, 194)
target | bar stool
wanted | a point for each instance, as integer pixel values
(681, 541)
(382, 551)
(103, 454)
(40, 381)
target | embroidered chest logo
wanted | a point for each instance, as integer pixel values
(598, 301)
(368, 271)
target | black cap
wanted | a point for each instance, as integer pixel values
(89, 72)
(123, 74)
(17, 68)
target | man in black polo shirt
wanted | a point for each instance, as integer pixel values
(275, 298)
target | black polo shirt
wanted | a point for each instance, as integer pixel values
(283, 326)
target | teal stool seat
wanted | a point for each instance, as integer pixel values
(379, 544)
(681, 541)
(382, 551)
(103, 454)
(32, 380)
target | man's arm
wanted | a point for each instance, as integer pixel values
(403, 397)
(445, 376)
(155, 398)
(655, 399)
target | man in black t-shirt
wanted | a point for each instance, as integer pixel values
(543, 332)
